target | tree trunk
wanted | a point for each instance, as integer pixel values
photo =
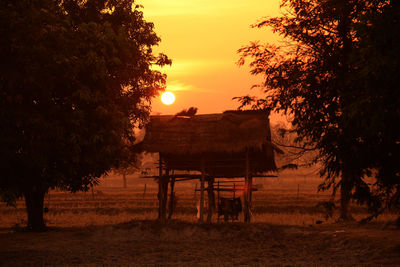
(34, 200)
(124, 178)
(345, 195)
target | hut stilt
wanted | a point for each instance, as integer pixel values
(211, 199)
(250, 202)
(218, 201)
(160, 173)
(247, 189)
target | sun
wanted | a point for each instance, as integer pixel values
(168, 98)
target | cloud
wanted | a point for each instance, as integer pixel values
(176, 86)
(188, 67)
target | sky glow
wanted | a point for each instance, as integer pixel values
(202, 38)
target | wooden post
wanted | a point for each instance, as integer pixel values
(203, 174)
(165, 181)
(211, 199)
(247, 189)
(171, 198)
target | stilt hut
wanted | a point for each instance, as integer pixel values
(228, 145)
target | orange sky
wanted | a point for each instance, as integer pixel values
(202, 37)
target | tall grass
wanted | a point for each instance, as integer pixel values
(291, 199)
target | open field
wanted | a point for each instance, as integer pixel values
(115, 226)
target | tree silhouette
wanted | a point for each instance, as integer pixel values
(314, 77)
(74, 78)
(374, 101)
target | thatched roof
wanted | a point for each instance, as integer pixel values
(220, 141)
(228, 132)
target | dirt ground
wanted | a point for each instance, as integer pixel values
(141, 243)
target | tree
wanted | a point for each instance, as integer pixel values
(130, 164)
(294, 153)
(75, 77)
(313, 78)
(375, 102)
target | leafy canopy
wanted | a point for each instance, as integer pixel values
(336, 75)
(75, 77)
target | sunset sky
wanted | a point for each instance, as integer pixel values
(202, 37)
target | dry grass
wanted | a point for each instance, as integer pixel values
(117, 226)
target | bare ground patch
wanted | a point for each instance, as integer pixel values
(183, 243)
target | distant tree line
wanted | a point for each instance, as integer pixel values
(337, 75)
(75, 78)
